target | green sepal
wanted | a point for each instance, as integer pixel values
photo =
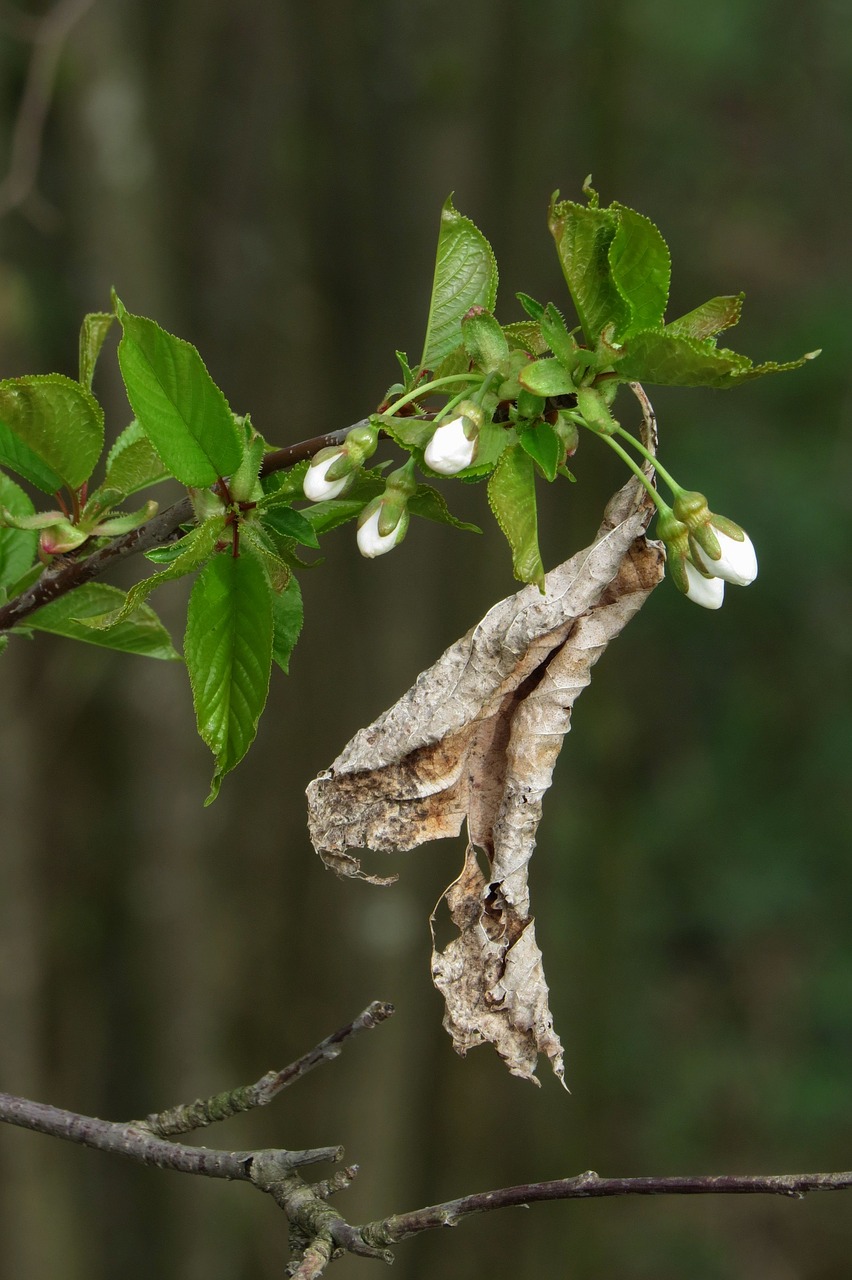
(73, 615)
(511, 496)
(93, 331)
(228, 654)
(51, 431)
(17, 546)
(465, 277)
(544, 447)
(710, 318)
(547, 377)
(177, 403)
(196, 547)
(640, 266)
(287, 523)
(287, 617)
(484, 340)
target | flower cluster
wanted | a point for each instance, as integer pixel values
(705, 550)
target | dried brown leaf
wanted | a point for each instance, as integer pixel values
(475, 739)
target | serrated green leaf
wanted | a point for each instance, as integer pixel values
(228, 653)
(274, 554)
(583, 235)
(195, 548)
(484, 340)
(465, 276)
(430, 505)
(640, 265)
(511, 496)
(287, 618)
(710, 318)
(140, 631)
(544, 447)
(93, 334)
(525, 335)
(408, 433)
(17, 546)
(286, 483)
(51, 431)
(177, 403)
(133, 463)
(534, 309)
(547, 377)
(669, 360)
(554, 332)
(288, 523)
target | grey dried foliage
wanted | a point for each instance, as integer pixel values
(475, 740)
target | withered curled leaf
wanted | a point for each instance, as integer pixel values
(476, 739)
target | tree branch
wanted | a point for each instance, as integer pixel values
(69, 572)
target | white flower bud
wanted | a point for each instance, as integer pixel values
(450, 450)
(371, 543)
(738, 561)
(708, 592)
(315, 485)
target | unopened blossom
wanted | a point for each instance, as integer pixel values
(371, 541)
(316, 486)
(737, 562)
(451, 448)
(708, 592)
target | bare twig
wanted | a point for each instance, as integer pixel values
(202, 1112)
(48, 35)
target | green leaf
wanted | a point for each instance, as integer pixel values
(544, 447)
(669, 360)
(133, 463)
(533, 309)
(709, 319)
(140, 632)
(640, 265)
(555, 333)
(93, 333)
(484, 340)
(51, 431)
(195, 548)
(525, 335)
(547, 377)
(583, 235)
(465, 276)
(287, 617)
(431, 505)
(288, 523)
(511, 496)
(228, 653)
(177, 403)
(17, 546)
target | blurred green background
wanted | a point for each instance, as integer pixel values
(265, 179)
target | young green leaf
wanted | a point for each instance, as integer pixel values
(669, 360)
(228, 652)
(484, 340)
(640, 265)
(177, 403)
(511, 496)
(195, 548)
(287, 617)
(133, 463)
(583, 235)
(465, 276)
(710, 318)
(544, 447)
(429, 504)
(93, 333)
(51, 431)
(287, 523)
(547, 377)
(140, 631)
(17, 546)
(525, 335)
